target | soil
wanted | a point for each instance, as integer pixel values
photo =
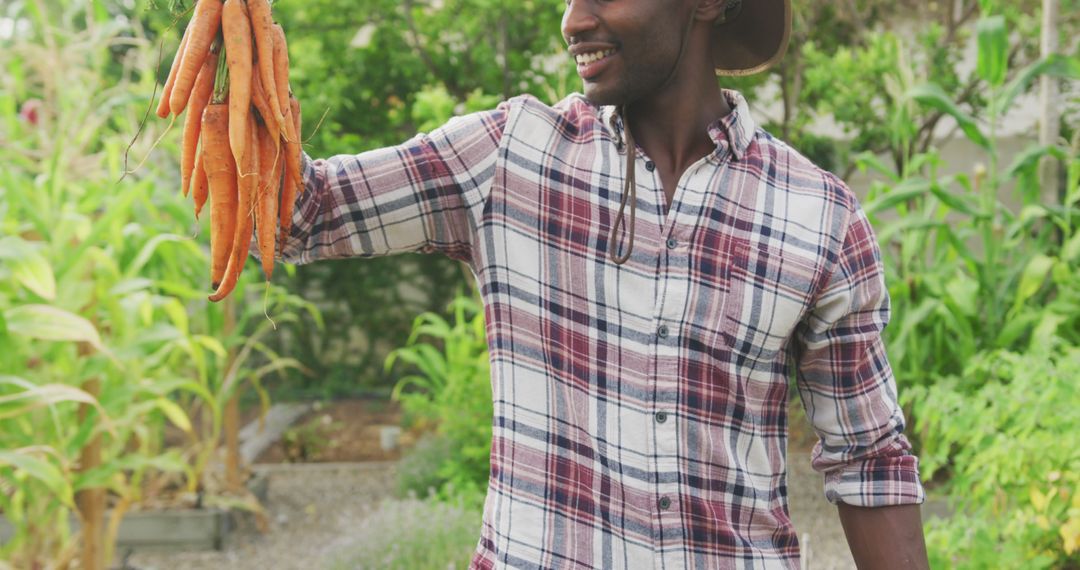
(337, 432)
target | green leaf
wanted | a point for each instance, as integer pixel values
(993, 41)
(28, 266)
(964, 293)
(1056, 65)
(19, 403)
(43, 471)
(175, 414)
(909, 189)
(44, 322)
(36, 275)
(934, 96)
(954, 201)
(148, 250)
(1033, 277)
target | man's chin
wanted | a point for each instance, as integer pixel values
(601, 97)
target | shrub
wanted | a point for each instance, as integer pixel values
(1013, 448)
(451, 390)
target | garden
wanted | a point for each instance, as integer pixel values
(124, 392)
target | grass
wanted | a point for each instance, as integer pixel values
(414, 534)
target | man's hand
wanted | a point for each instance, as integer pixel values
(883, 538)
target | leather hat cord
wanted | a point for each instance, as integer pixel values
(630, 187)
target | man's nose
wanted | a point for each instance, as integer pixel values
(578, 18)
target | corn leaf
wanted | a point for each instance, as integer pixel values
(45, 322)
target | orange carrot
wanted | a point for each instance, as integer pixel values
(221, 175)
(293, 176)
(200, 189)
(166, 91)
(245, 219)
(261, 103)
(259, 99)
(281, 72)
(261, 31)
(298, 149)
(200, 98)
(203, 28)
(267, 200)
(237, 32)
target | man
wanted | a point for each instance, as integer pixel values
(652, 266)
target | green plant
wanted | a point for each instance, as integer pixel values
(967, 272)
(415, 534)
(418, 472)
(106, 338)
(451, 389)
(1012, 448)
(309, 439)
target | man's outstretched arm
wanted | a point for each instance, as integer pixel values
(884, 538)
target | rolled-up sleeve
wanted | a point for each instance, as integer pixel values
(425, 195)
(847, 386)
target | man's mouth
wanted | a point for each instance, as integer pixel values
(591, 64)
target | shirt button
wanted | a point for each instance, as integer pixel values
(650, 166)
(662, 332)
(664, 503)
(661, 417)
(672, 243)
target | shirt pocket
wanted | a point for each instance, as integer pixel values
(769, 293)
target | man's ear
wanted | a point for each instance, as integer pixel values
(711, 11)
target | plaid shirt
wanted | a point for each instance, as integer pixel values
(640, 410)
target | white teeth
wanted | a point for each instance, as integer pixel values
(587, 58)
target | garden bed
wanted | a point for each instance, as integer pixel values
(341, 431)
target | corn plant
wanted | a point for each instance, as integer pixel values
(106, 339)
(982, 270)
(969, 272)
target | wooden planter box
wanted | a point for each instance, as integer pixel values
(174, 529)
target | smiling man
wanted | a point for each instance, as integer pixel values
(653, 268)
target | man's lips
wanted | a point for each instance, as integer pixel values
(591, 62)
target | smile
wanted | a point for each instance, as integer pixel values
(591, 64)
(587, 58)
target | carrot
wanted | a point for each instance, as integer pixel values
(293, 177)
(221, 175)
(295, 156)
(262, 32)
(200, 189)
(281, 71)
(237, 32)
(259, 99)
(166, 91)
(261, 103)
(200, 98)
(203, 28)
(266, 202)
(245, 219)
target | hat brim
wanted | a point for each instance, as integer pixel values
(754, 39)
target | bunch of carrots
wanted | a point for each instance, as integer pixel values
(241, 140)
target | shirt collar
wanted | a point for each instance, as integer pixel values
(736, 128)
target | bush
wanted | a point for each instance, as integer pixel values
(1013, 448)
(452, 392)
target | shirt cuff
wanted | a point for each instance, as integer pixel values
(876, 482)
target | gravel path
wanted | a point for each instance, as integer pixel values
(816, 520)
(315, 509)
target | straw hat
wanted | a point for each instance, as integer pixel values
(751, 36)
